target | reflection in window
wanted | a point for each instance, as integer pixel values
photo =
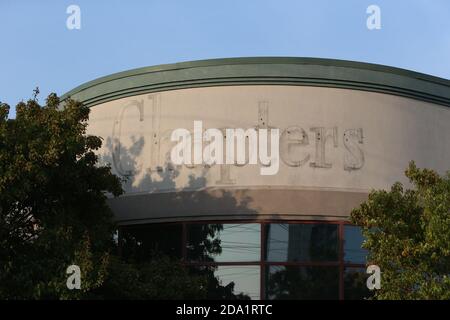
(293, 282)
(355, 287)
(224, 242)
(214, 250)
(302, 242)
(245, 279)
(353, 239)
(141, 242)
(230, 282)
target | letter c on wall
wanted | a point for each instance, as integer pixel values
(116, 136)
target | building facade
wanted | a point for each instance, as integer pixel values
(345, 128)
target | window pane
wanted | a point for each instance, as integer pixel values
(291, 282)
(353, 239)
(224, 242)
(355, 287)
(302, 242)
(230, 282)
(141, 242)
(246, 280)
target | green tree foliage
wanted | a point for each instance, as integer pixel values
(160, 278)
(408, 236)
(52, 201)
(53, 214)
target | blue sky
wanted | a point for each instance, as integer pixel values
(37, 49)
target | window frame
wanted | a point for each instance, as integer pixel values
(262, 263)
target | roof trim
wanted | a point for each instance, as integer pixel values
(265, 71)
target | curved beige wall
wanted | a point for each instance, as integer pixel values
(371, 139)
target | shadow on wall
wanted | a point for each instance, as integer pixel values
(176, 191)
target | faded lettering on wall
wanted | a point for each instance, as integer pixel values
(293, 141)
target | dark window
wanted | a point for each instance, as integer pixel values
(303, 283)
(224, 242)
(353, 239)
(355, 287)
(301, 242)
(300, 260)
(141, 242)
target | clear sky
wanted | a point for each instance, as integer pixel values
(37, 49)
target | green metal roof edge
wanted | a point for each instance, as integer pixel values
(268, 71)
